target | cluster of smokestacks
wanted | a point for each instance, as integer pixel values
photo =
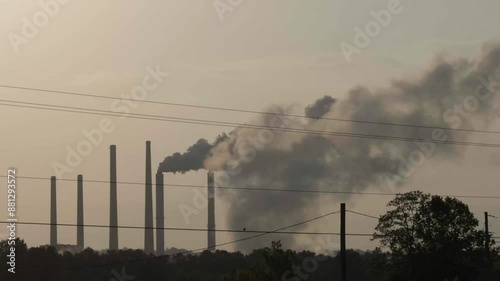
(79, 213)
(148, 214)
(113, 209)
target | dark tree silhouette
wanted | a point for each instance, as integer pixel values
(431, 238)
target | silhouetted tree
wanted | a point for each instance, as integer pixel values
(430, 238)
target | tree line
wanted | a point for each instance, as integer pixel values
(423, 238)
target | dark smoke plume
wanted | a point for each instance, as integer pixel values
(276, 159)
(192, 159)
(319, 107)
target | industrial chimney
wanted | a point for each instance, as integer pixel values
(79, 213)
(113, 209)
(53, 212)
(148, 230)
(160, 232)
(211, 211)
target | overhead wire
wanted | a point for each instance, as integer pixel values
(81, 110)
(254, 188)
(71, 93)
(176, 228)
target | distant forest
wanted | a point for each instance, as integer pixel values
(423, 237)
(272, 263)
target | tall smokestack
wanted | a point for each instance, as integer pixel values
(113, 209)
(148, 230)
(53, 212)
(211, 211)
(79, 213)
(160, 232)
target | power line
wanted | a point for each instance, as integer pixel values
(377, 218)
(191, 251)
(232, 124)
(364, 215)
(180, 228)
(246, 111)
(250, 188)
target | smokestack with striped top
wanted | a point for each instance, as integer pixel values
(160, 232)
(79, 213)
(148, 230)
(113, 208)
(211, 212)
(53, 212)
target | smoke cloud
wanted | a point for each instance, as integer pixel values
(319, 107)
(448, 95)
(192, 159)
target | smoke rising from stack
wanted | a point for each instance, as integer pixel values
(192, 159)
(302, 161)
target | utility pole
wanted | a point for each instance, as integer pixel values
(486, 245)
(343, 267)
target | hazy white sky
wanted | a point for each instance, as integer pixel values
(262, 53)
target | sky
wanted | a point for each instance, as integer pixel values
(252, 55)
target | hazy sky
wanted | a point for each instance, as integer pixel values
(261, 53)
